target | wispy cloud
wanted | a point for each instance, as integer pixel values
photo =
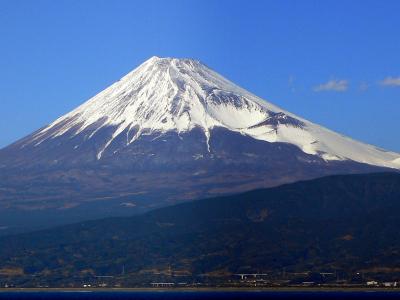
(391, 81)
(363, 86)
(291, 81)
(333, 85)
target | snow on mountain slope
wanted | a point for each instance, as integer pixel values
(168, 94)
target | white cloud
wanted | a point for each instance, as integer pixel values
(391, 81)
(333, 85)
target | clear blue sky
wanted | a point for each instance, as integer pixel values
(336, 63)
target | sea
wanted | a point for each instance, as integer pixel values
(195, 295)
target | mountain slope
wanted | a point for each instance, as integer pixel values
(346, 224)
(170, 130)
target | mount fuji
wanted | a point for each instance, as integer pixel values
(170, 130)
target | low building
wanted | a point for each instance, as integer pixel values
(162, 284)
(389, 284)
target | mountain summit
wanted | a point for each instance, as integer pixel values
(170, 130)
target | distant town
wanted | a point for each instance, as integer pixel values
(333, 280)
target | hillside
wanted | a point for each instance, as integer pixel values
(343, 224)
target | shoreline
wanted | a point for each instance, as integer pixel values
(206, 289)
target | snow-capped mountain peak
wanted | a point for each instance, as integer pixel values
(169, 94)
